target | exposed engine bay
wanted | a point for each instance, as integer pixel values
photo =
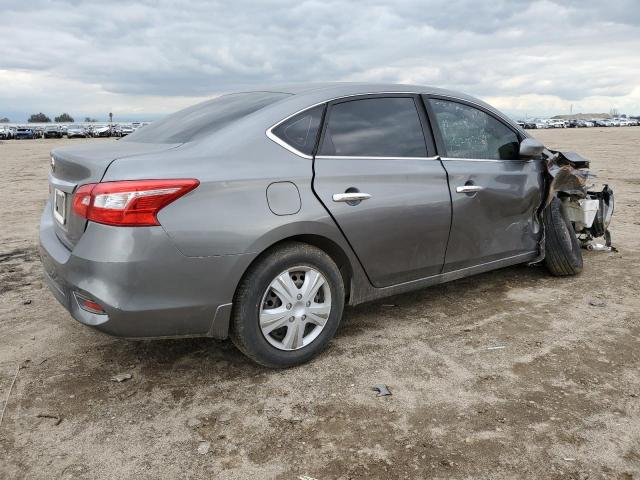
(589, 211)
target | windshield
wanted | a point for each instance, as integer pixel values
(203, 119)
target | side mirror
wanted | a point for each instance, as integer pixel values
(531, 148)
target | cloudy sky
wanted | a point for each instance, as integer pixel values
(145, 59)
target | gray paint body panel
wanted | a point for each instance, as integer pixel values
(283, 198)
(498, 221)
(179, 279)
(401, 232)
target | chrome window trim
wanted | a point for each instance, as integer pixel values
(271, 136)
(359, 157)
(285, 145)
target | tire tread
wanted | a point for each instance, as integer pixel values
(558, 259)
(249, 284)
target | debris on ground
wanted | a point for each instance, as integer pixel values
(600, 247)
(203, 448)
(121, 377)
(27, 302)
(597, 302)
(382, 390)
(54, 416)
(6, 402)
(497, 347)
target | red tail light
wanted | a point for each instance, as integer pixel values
(133, 203)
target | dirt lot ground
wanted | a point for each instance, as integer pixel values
(560, 398)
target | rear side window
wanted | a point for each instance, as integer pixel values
(374, 127)
(471, 133)
(204, 119)
(301, 130)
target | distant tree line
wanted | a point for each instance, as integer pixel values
(4, 120)
(42, 118)
(39, 118)
(65, 117)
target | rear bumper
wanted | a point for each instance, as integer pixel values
(145, 285)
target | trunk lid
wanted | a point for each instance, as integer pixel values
(78, 165)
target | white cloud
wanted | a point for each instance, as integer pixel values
(152, 57)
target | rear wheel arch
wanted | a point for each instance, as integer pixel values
(328, 246)
(353, 277)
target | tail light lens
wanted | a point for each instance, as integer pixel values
(133, 203)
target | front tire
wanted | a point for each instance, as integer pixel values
(562, 249)
(288, 306)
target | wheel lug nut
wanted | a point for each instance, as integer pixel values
(304, 317)
(299, 296)
(291, 319)
(288, 306)
(308, 304)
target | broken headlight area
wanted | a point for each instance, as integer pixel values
(588, 210)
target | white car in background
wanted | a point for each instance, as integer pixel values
(555, 123)
(126, 130)
(6, 133)
(77, 132)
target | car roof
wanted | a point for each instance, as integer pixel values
(338, 89)
(301, 96)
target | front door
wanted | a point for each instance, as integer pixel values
(377, 174)
(495, 194)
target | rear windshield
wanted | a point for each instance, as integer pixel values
(203, 119)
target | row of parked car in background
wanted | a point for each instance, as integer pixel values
(575, 123)
(30, 132)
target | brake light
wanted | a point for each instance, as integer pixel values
(133, 203)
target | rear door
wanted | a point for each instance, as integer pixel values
(494, 193)
(377, 174)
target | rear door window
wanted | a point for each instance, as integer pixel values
(301, 130)
(374, 127)
(468, 132)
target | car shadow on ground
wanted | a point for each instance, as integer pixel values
(220, 359)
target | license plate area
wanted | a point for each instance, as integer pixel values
(60, 206)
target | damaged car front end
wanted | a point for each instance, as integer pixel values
(570, 192)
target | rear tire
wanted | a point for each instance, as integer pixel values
(562, 249)
(297, 309)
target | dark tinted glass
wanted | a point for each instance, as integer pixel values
(203, 119)
(470, 133)
(301, 131)
(374, 127)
